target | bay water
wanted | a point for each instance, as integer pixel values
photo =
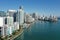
(41, 30)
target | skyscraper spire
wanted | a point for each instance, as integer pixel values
(21, 7)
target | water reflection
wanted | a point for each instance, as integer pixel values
(29, 30)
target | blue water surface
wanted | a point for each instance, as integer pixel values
(41, 30)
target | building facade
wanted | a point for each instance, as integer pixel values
(29, 18)
(12, 13)
(20, 16)
(2, 28)
(9, 25)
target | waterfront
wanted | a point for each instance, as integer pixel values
(42, 31)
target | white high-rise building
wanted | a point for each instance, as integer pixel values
(16, 26)
(2, 31)
(9, 25)
(12, 13)
(9, 20)
(20, 15)
(6, 26)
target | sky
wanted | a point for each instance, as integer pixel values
(41, 7)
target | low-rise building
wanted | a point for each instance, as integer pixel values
(29, 18)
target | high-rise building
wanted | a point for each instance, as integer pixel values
(20, 15)
(2, 28)
(9, 25)
(6, 26)
(9, 20)
(2, 14)
(35, 16)
(12, 13)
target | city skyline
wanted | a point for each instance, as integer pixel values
(45, 7)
